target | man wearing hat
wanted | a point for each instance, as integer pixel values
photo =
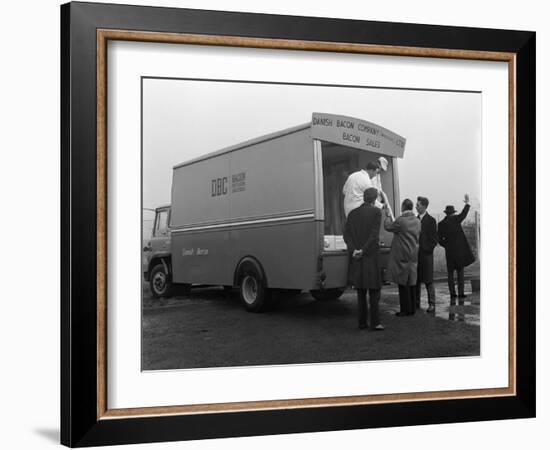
(457, 250)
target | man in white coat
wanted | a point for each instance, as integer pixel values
(357, 183)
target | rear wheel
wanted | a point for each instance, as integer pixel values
(253, 291)
(160, 282)
(327, 294)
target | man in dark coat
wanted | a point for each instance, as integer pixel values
(457, 249)
(362, 237)
(426, 245)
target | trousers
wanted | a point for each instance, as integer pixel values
(451, 281)
(370, 312)
(407, 299)
(431, 294)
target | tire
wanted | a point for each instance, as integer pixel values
(160, 282)
(327, 294)
(253, 291)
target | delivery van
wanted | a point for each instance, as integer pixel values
(267, 214)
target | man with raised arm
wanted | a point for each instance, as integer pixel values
(457, 250)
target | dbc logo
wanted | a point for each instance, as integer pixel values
(219, 186)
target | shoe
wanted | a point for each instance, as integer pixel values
(362, 327)
(401, 314)
(379, 327)
(462, 296)
(430, 310)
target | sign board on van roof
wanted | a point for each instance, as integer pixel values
(357, 133)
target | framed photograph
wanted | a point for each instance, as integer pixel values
(278, 224)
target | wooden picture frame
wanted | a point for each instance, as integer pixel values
(85, 416)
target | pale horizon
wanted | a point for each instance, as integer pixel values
(184, 119)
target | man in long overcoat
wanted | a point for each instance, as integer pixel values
(362, 237)
(426, 245)
(403, 259)
(457, 250)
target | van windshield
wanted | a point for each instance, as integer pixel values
(338, 163)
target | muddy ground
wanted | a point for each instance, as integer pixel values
(209, 328)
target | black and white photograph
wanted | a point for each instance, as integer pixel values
(297, 223)
(263, 225)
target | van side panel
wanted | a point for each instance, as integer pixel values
(200, 193)
(201, 257)
(255, 201)
(273, 178)
(286, 252)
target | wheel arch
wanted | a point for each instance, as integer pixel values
(252, 261)
(165, 260)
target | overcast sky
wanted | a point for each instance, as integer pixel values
(184, 119)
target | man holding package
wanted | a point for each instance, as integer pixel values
(358, 182)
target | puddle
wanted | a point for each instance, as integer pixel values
(459, 310)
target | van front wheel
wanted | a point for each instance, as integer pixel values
(160, 282)
(327, 294)
(252, 290)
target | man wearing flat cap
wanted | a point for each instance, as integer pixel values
(457, 250)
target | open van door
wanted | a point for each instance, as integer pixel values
(347, 144)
